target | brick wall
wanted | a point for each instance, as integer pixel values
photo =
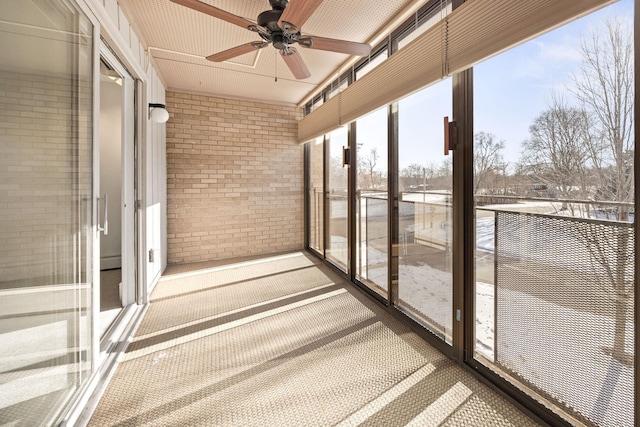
(45, 176)
(234, 179)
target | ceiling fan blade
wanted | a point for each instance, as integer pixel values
(333, 45)
(236, 51)
(215, 12)
(297, 13)
(295, 63)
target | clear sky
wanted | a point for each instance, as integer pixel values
(513, 88)
(510, 91)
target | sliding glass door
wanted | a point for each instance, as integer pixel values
(372, 197)
(337, 199)
(425, 281)
(47, 212)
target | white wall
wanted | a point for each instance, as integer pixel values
(111, 171)
(151, 137)
(156, 195)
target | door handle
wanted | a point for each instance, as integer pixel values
(105, 227)
(450, 135)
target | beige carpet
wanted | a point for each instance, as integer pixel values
(283, 341)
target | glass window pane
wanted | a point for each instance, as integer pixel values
(423, 24)
(553, 183)
(316, 103)
(336, 88)
(337, 200)
(316, 194)
(373, 63)
(372, 201)
(425, 288)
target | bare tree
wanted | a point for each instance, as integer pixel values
(369, 163)
(605, 86)
(559, 148)
(487, 159)
(416, 173)
(443, 173)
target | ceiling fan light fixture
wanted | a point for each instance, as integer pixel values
(280, 41)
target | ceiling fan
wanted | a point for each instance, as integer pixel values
(281, 28)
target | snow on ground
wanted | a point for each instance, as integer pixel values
(428, 291)
(485, 319)
(431, 197)
(485, 239)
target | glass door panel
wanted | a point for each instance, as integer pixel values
(117, 171)
(46, 213)
(425, 282)
(372, 224)
(337, 200)
(316, 195)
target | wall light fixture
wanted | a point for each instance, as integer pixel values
(158, 113)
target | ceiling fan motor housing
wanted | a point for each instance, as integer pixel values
(269, 20)
(279, 4)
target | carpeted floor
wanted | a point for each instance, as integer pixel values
(283, 341)
(110, 289)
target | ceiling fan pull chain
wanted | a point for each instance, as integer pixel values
(275, 57)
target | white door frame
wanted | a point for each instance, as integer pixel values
(128, 255)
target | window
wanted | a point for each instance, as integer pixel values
(422, 21)
(372, 194)
(553, 174)
(371, 63)
(425, 285)
(337, 200)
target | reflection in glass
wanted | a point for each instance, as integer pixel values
(337, 200)
(46, 211)
(425, 286)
